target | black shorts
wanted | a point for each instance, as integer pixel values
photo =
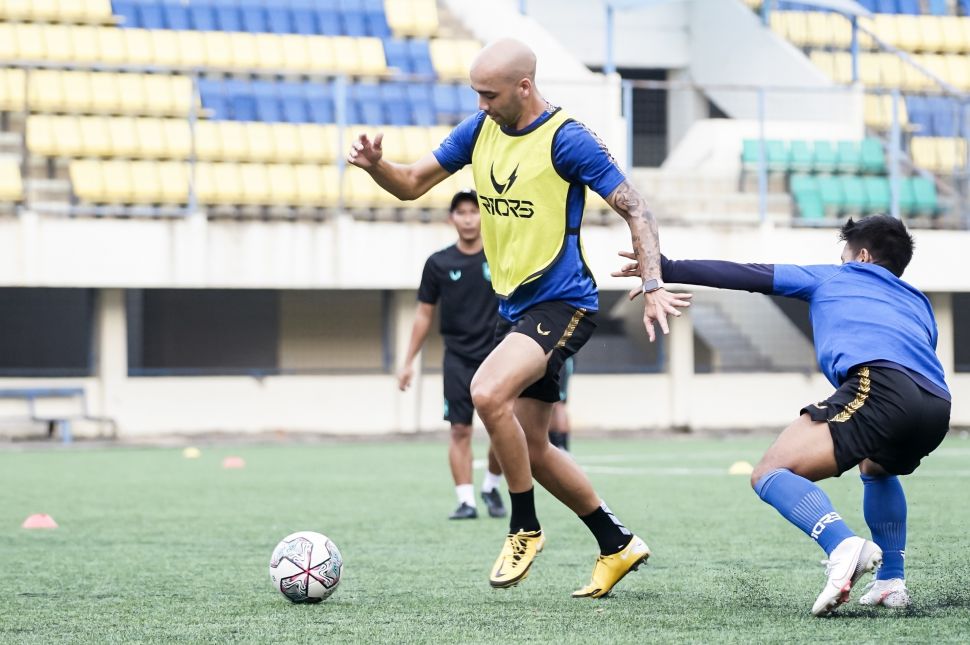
(881, 414)
(457, 373)
(559, 328)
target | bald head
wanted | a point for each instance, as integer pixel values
(504, 61)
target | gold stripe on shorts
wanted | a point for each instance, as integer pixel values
(570, 328)
(858, 401)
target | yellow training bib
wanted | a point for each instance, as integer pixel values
(523, 201)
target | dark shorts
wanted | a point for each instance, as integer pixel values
(883, 415)
(558, 328)
(457, 373)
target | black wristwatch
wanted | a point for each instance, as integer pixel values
(653, 284)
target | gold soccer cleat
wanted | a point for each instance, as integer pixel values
(515, 560)
(610, 569)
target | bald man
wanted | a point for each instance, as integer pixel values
(531, 165)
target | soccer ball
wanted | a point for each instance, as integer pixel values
(306, 567)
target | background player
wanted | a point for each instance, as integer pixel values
(458, 278)
(559, 423)
(875, 339)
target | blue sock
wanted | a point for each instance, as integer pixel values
(884, 506)
(805, 505)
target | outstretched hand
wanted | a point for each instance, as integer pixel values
(656, 304)
(365, 153)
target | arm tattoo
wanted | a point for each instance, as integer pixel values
(631, 206)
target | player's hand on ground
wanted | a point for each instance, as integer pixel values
(657, 304)
(365, 153)
(404, 376)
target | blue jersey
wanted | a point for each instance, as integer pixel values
(581, 159)
(861, 313)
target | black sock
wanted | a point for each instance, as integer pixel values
(523, 512)
(610, 533)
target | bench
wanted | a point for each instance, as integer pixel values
(56, 422)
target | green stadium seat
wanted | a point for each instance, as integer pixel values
(777, 154)
(873, 157)
(850, 156)
(804, 188)
(925, 200)
(907, 199)
(825, 158)
(833, 199)
(877, 194)
(800, 156)
(854, 201)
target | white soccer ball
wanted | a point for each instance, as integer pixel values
(306, 567)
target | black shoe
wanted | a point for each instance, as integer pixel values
(464, 512)
(493, 501)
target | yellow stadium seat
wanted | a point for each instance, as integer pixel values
(151, 138)
(228, 183)
(243, 47)
(282, 184)
(890, 70)
(164, 46)
(393, 142)
(412, 17)
(825, 62)
(778, 21)
(951, 154)
(417, 142)
(371, 56)
(346, 57)
(205, 182)
(923, 152)
(841, 31)
(84, 43)
(67, 136)
(255, 184)
(40, 135)
(885, 27)
(360, 191)
(319, 142)
(310, 185)
(958, 71)
(15, 10)
(965, 28)
(29, 42)
(207, 143)
(909, 33)
(218, 49)
(180, 96)
(44, 11)
(44, 91)
(329, 178)
(173, 180)
(95, 136)
(873, 113)
(132, 95)
(139, 46)
(178, 138)
(145, 185)
(869, 69)
(931, 33)
(286, 142)
(913, 79)
(8, 48)
(117, 179)
(842, 66)
(12, 89)
(936, 64)
(269, 53)
(11, 184)
(295, 52)
(191, 49)
(232, 140)
(103, 92)
(953, 36)
(112, 45)
(259, 141)
(819, 29)
(322, 54)
(57, 43)
(87, 180)
(94, 11)
(124, 137)
(446, 58)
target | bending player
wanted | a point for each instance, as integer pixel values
(875, 339)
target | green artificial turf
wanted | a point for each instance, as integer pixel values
(153, 547)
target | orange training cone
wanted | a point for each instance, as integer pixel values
(39, 521)
(233, 462)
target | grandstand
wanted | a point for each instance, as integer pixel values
(183, 240)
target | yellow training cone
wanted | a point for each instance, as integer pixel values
(191, 453)
(740, 468)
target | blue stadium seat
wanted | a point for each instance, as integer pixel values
(868, 4)
(227, 15)
(242, 103)
(294, 103)
(964, 7)
(910, 7)
(367, 97)
(319, 102)
(886, 6)
(176, 14)
(267, 101)
(468, 99)
(302, 17)
(944, 117)
(353, 23)
(150, 15)
(397, 107)
(447, 104)
(128, 10)
(420, 54)
(377, 24)
(328, 18)
(213, 98)
(203, 16)
(278, 19)
(422, 104)
(253, 15)
(396, 53)
(919, 115)
(938, 8)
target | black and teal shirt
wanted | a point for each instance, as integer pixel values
(461, 284)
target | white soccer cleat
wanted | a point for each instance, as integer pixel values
(890, 593)
(853, 557)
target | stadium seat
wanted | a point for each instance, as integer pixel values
(218, 50)
(95, 137)
(58, 43)
(877, 194)
(191, 49)
(833, 198)
(178, 138)
(145, 184)
(124, 138)
(452, 58)
(295, 52)
(173, 182)
(850, 157)
(925, 200)
(84, 44)
(318, 143)
(11, 184)
(138, 47)
(243, 48)
(397, 108)
(954, 36)
(398, 58)
(293, 100)
(800, 156)
(303, 17)
(418, 18)
(117, 181)
(776, 154)
(227, 15)
(203, 16)
(825, 157)
(164, 48)
(854, 200)
(321, 53)
(420, 53)
(176, 14)
(279, 19)
(372, 61)
(872, 157)
(151, 139)
(87, 180)
(923, 152)
(269, 52)
(127, 12)
(285, 140)
(255, 184)
(12, 93)
(45, 92)
(320, 102)
(267, 101)
(446, 102)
